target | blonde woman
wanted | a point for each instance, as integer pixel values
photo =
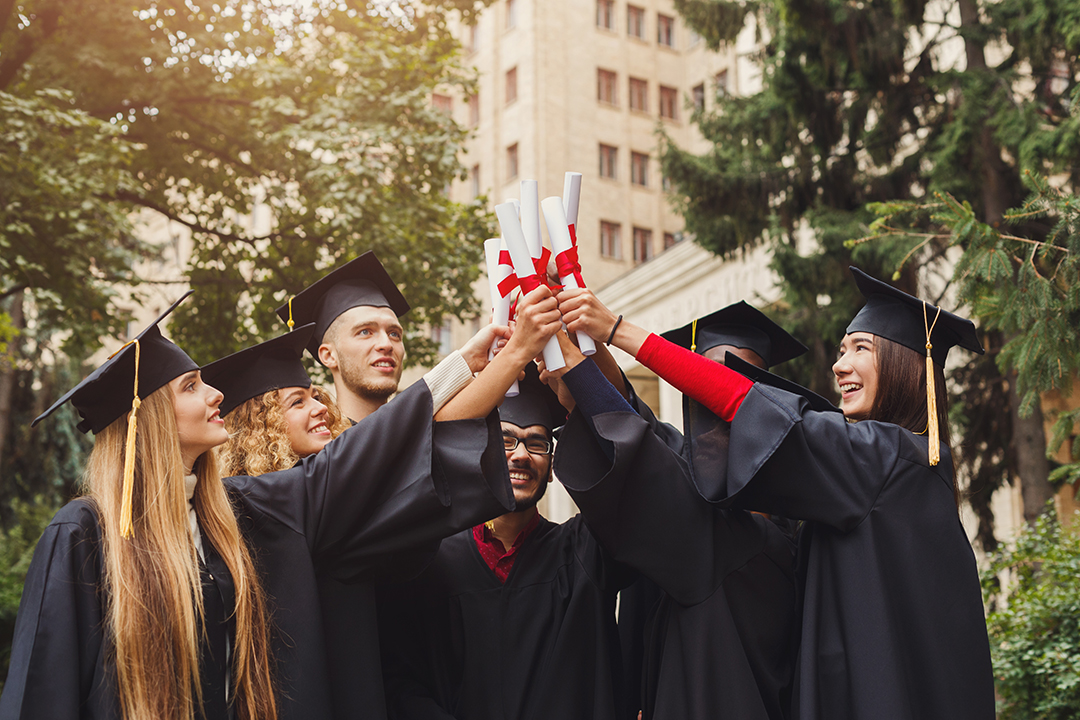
(165, 593)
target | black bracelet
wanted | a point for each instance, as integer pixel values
(613, 329)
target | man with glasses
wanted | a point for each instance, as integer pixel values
(514, 618)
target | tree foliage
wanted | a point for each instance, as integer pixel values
(883, 101)
(1034, 622)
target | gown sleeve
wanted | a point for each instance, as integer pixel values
(787, 459)
(644, 510)
(394, 482)
(57, 646)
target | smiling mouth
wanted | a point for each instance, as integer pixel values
(319, 429)
(846, 388)
(384, 364)
(520, 476)
(215, 416)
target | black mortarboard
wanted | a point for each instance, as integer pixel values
(758, 375)
(536, 404)
(739, 325)
(107, 393)
(271, 365)
(362, 281)
(904, 319)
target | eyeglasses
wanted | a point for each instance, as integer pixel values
(535, 446)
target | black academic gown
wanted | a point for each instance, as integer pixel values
(382, 493)
(720, 641)
(892, 617)
(543, 645)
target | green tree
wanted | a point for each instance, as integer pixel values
(872, 102)
(284, 138)
(1034, 622)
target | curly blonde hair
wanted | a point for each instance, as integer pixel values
(258, 441)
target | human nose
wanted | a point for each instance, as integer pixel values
(841, 366)
(519, 453)
(214, 396)
(318, 409)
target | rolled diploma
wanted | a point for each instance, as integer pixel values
(571, 196)
(530, 217)
(560, 243)
(519, 253)
(500, 306)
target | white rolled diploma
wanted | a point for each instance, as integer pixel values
(560, 242)
(500, 306)
(523, 267)
(530, 217)
(571, 196)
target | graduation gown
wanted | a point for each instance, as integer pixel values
(720, 641)
(892, 617)
(372, 501)
(543, 645)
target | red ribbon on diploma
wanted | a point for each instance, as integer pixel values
(568, 265)
(573, 234)
(540, 265)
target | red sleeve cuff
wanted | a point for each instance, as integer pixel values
(715, 386)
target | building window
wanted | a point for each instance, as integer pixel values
(669, 103)
(639, 95)
(442, 337)
(605, 14)
(722, 83)
(609, 156)
(512, 161)
(610, 247)
(474, 38)
(511, 14)
(669, 240)
(511, 85)
(474, 109)
(642, 244)
(639, 169)
(474, 181)
(444, 103)
(665, 30)
(698, 94)
(606, 90)
(635, 21)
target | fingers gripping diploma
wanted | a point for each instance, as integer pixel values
(538, 320)
(475, 351)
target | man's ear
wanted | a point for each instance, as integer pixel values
(328, 357)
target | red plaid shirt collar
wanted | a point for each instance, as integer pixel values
(498, 558)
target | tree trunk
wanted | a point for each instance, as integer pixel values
(7, 376)
(1029, 441)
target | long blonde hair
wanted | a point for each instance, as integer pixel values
(152, 585)
(258, 439)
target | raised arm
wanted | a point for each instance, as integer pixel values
(537, 320)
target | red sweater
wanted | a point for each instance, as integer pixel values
(715, 386)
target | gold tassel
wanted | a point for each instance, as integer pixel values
(693, 336)
(290, 323)
(933, 431)
(127, 528)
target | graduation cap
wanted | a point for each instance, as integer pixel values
(536, 404)
(107, 393)
(739, 325)
(362, 281)
(271, 365)
(915, 324)
(753, 372)
(130, 375)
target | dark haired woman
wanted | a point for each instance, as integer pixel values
(166, 594)
(892, 622)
